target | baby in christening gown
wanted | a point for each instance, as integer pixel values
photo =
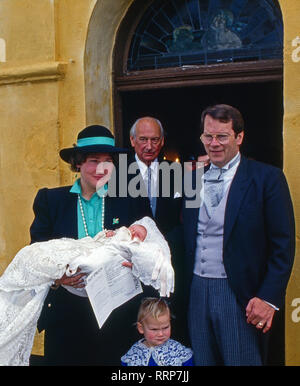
(141, 244)
(26, 281)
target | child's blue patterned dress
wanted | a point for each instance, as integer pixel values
(170, 353)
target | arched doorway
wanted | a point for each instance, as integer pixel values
(174, 79)
(176, 83)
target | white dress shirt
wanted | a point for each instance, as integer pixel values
(229, 173)
(144, 172)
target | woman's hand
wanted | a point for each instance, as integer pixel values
(75, 280)
(127, 264)
(110, 233)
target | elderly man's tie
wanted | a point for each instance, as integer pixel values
(152, 199)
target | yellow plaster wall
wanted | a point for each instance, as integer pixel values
(27, 27)
(42, 106)
(29, 113)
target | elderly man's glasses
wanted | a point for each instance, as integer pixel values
(221, 138)
(154, 140)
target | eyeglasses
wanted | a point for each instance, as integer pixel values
(221, 138)
(154, 140)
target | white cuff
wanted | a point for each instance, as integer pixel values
(272, 305)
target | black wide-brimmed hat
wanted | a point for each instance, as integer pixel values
(92, 139)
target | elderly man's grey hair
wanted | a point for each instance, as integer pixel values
(133, 127)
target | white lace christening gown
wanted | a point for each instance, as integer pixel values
(25, 283)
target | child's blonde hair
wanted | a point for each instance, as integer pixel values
(153, 307)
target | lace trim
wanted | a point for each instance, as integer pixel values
(171, 353)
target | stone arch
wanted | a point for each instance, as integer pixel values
(98, 59)
(2, 50)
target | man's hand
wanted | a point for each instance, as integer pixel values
(260, 314)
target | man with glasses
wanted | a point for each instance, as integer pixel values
(239, 248)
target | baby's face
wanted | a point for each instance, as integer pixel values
(138, 231)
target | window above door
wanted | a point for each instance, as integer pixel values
(187, 33)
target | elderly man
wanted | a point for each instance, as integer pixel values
(147, 140)
(239, 247)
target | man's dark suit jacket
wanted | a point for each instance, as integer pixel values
(168, 220)
(259, 234)
(72, 335)
(167, 214)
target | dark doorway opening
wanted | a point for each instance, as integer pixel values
(179, 110)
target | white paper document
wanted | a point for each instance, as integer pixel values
(110, 286)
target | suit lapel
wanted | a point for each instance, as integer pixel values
(107, 214)
(196, 211)
(68, 224)
(191, 214)
(238, 188)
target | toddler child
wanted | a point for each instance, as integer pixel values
(156, 348)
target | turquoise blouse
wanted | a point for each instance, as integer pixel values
(92, 210)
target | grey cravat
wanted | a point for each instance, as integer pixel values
(214, 186)
(214, 183)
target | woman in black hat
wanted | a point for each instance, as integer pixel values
(72, 335)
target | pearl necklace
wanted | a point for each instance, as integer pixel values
(83, 216)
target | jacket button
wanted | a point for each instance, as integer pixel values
(49, 305)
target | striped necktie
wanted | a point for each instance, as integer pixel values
(152, 200)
